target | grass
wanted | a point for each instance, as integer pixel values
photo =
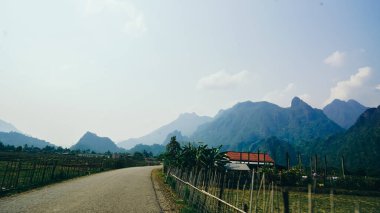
(174, 202)
(299, 201)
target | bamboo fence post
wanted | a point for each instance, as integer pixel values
(251, 195)
(325, 175)
(285, 196)
(332, 201)
(237, 190)
(299, 202)
(272, 199)
(263, 177)
(309, 198)
(343, 169)
(257, 196)
(357, 207)
(243, 197)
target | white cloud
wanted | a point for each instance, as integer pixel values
(343, 89)
(378, 87)
(134, 21)
(336, 59)
(222, 80)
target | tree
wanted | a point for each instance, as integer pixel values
(173, 150)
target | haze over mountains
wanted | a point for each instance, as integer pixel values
(186, 123)
(10, 135)
(7, 127)
(253, 126)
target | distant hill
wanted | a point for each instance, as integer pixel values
(186, 123)
(344, 113)
(7, 127)
(18, 139)
(253, 121)
(360, 145)
(90, 141)
(156, 149)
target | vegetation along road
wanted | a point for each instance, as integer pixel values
(123, 190)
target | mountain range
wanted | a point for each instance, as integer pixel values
(342, 128)
(252, 121)
(186, 123)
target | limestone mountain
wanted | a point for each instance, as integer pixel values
(186, 123)
(90, 141)
(359, 145)
(253, 121)
(344, 113)
(18, 139)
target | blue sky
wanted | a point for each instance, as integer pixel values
(123, 68)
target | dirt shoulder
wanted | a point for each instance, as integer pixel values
(168, 201)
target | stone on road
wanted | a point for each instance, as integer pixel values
(123, 190)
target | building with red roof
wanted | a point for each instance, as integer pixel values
(259, 159)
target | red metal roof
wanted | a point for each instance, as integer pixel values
(253, 157)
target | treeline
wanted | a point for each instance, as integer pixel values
(192, 157)
(59, 150)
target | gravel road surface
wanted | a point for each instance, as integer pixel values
(123, 190)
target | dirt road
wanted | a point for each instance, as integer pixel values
(123, 190)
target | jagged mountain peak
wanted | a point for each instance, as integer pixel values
(299, 103)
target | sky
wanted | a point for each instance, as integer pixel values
(124, 68)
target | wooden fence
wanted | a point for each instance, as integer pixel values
(250, 191)
(35, 170)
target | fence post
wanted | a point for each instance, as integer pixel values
(32, 173)
(53, 170)
(343, 172)
(309, 198)
(11, 175)
(285, 196)
(18, 173)
(43, 173)
(251, 195)
(331, 201)
(221, 189)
